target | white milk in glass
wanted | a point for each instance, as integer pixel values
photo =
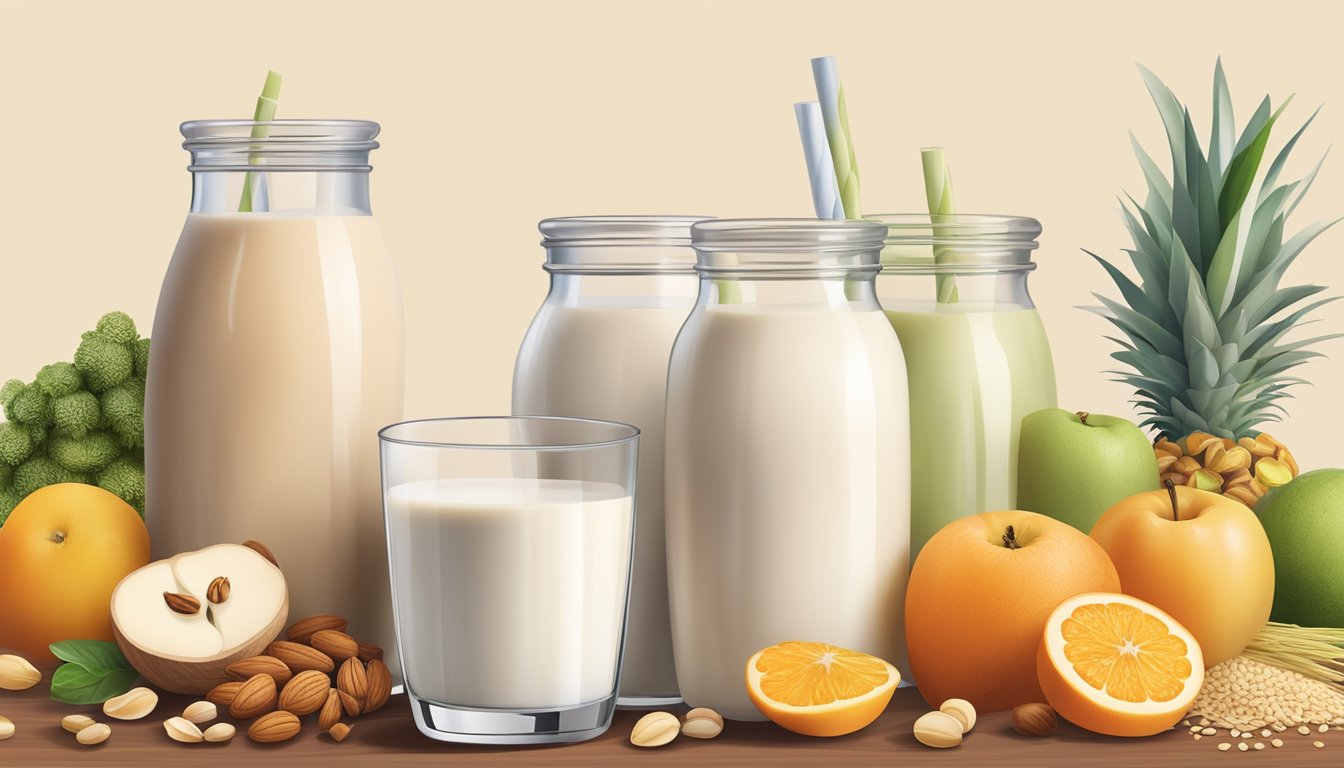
(509, 592)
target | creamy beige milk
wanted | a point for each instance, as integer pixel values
(788, 491)
(277, 356)
(510, 592)
(610, 362)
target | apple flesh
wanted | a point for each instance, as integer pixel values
(1304, 521)
(186, 652)
(1207, 562)
(1075, 466)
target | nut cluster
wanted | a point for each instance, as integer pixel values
(657, 729)
(317, 669)
(1243, 470)
(945, 728)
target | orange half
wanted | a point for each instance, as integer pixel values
(818, 689)
(1117, 665)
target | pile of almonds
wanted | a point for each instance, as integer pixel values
(318, 669)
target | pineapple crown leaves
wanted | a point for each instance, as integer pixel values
(1203, 328)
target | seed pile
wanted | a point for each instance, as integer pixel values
(1246, 694)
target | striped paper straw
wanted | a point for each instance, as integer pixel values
(820, 167)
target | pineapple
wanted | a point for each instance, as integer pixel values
(1204, 328)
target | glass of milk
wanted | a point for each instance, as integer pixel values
(955, 290)
(509, 546)
(788, 454)
(621, 286)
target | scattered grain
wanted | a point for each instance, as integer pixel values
(1276, 742)
(1242, 746)
(1209, 731)
(1318, 744)
(1259, 745)
(1265, 733)
(1304, 730)
(1248, 695)
(1224, 747)
(1323, 728)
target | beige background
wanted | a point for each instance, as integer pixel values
(498, 114)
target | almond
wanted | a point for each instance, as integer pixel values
(76, 723)
(201, 712)
(183, 730)
(380, 686)
(302, 630)
(350, 704)
(6, 728)
(331, 711)
(218, 733)
(131, 705)
(259, 665)
(368, 652)
(274, 727)
(306, 693)
(17, 674)
(222, 695)
(219, 590)
(353, 681)
(183, 604)
(94, 734)
(256, 696)
(261, 549)
(339, 731)
(337, 645)
(300, 657)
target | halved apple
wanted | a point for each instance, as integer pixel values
(181, 621)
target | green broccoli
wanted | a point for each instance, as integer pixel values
(105, 363)
(117, 327)
(88, 454)
(126, 479)
(58, 380)
(30, 407)
(140, 353)
(39, 472)
(76, 415)
(15, 444)
(80, 422)
(124, 412)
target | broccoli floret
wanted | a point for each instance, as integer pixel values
(118, 327)
(15, 444)
(6, 475)
(140, 355)
(30, 407)
(9, 499)
(104, 363)
(124, 412)
(39, 472)
(38, 433)
(126, 479)
(8, 391)
(75, 415)
(58, 380)
(88, 454)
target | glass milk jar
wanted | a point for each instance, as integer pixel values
(955, 290)
(621, 286)
(277, 357)
(788, 454)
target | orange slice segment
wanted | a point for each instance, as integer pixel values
(1114, 664)
(819, 689)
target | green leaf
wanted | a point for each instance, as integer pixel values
(94, 672)
(1221, 279)
(1305, 184)
(75, 684)
(1276, 167)
(92, 654)
(1241, 172)
(1159, 189)
(1223, 137)
(1202, 196)
(1133, 294)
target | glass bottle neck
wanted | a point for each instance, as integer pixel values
(336, 192)
(844, 293)
(950, 290)
(654, 289)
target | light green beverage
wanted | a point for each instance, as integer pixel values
(974, 372)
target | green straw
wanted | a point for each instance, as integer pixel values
(938, 190)
(266, 103)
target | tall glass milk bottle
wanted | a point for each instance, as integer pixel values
(955, 289)
(277, 357)
(621, 286)
(788, 454)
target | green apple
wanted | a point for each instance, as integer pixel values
(1305, 524)
(1075, 466)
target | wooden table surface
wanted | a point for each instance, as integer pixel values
(388, 738)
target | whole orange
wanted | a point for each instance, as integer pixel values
(1206, 561)
(62, 551)
(978, 599)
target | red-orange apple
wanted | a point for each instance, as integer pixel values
(1199, 556)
